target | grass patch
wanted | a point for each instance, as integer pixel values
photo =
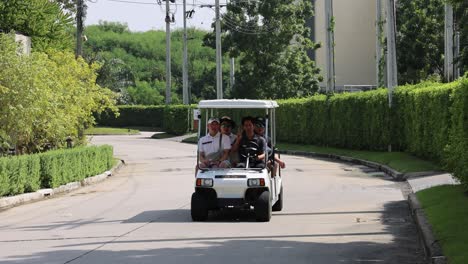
(192, 140)
(162, 135)
(110, 131)
(446, 208)
(399, 161)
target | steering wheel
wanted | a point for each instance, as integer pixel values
(250, 150)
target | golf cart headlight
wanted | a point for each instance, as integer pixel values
(205, 182)
(255, 182)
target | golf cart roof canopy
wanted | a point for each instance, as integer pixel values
(237, 103)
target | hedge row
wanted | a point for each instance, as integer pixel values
(28, 173)
(174, 119)
(457, 149)
(428, 120)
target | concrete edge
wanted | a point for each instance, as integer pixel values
(432, 247)
(396, 175)
(11, 201)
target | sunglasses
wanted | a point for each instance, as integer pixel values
(225, 125)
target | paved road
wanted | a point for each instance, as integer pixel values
(333, 213)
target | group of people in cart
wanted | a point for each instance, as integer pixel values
(221, 148)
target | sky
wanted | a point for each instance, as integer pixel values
(144, 15)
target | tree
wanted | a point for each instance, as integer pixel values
(134, 61)
(270, 40)
(44, 98)
(460, 8)
(44, 21)
(420, 40)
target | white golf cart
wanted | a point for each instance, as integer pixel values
(218, 188)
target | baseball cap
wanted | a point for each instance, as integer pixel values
(260, 122)
(213, 119)
(229, 120)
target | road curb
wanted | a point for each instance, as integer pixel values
(11, 201)
(432, 247)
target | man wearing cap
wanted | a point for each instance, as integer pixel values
(214, 147)
(227, 124)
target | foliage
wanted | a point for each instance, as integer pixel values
(174, 119)
(133, 63)
(457, 149)
(133, 115)
(460, 8)
(420, 39)
(177, 119)
(28, 173)
(64, 166)
(356, 121)
(48, 25)
(423, 118)
(46, 98)
(270, 38)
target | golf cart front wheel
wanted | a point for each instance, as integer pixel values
(262, 207)
(199, 208)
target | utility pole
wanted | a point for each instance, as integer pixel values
(448, 58)
(168, 55)
(391, 51)
(456, 73)
(219, 77)
(185, 63)
(79, 28)
(330, 46)
(378, 47)
(232, 77)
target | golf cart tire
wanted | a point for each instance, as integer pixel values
(199, 208)
(278, 206)
(262, 207)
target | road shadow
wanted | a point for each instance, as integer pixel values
(404, 246)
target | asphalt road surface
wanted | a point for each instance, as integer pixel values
(333, 213)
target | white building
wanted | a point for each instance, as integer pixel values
(355, 41)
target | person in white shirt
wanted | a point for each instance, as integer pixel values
(214, 147)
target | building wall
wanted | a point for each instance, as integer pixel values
(25, 42)
(355, 37)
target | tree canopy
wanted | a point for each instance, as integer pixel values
(133, 63)
(45, 98)
(46, 22)
(420, 38)
(270, 39)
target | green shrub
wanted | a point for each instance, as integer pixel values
(457, 149)
(174, 119)
(63, 166)
(424, 118)
(4, 178)
(177, 119)
(133, 115)
(28, 173)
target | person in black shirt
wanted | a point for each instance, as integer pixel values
(250, 143)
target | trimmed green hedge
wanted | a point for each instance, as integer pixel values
(28, 173)
(133, 115)
(457, 149)
(174, 119)
(356, 121)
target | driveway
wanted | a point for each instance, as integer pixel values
(333, 213)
